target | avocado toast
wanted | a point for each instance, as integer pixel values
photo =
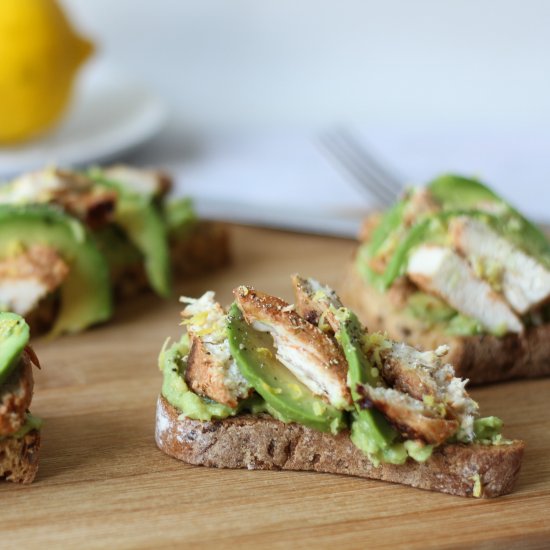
(454, 263)
(19, 429)
(72, 242)
(271, 385)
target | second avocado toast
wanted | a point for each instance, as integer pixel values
(454, 263)
(270, 385)
(71, 241)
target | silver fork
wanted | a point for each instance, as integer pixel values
(366, 172)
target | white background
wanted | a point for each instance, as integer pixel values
(436, 85)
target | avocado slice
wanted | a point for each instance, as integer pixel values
(176, 391)
(179, 215)
(14, 336)
(376, 433)
(86, 293)
(390, 223)
(140, 218)
(290, 400)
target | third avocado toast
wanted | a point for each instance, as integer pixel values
(19, 429)
(273, 385)
(72, 241)
(454, 263)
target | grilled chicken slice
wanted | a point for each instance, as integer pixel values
(211, 371)
(424, 376)
(312, 356)
(140, 180)
(411, 417)
(441, 271)
(420, 203)
(524, 281)
(316, 302)
(74, 192)
(404, 369)
(27, 278)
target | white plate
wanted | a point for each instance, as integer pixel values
(110, 115)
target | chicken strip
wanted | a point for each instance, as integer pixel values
(421, 203)
(523, 280)
(140, 180)
(413, 418)
(28, 277)
(316, 303)
(312, 356)
(441, 271)
(74, 192)
(425, 377)
(211, 371)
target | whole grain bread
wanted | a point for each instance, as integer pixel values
(15, 396)
(481, 358)
(259, 442)
(19, 457)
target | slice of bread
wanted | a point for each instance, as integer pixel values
(19, 457)
(259, 442)
(482, 358)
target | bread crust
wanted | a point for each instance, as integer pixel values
(259, 442)
(19, 457)
(482, 358)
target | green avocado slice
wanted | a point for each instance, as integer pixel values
(371, 432)
(180, 215)
(141, 220)
(175, 390)
(14, 336)
(291, 400)
(86, 292)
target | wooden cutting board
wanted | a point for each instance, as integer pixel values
(103, 483)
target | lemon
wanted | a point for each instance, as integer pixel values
(40, 54)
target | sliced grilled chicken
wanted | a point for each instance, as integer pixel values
(425, 377)
(28, 277)
(441, 271)
(211, 371)
(404, 369)
(312, 356)
(315, 302)
(74, 192)
(523, 280)
(413, 418)
(420, 203)
(147, 182)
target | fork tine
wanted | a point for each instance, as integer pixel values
(388, 179)
(347, 160)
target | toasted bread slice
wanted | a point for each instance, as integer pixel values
(482, 359)
(19, 457)
(263, 443)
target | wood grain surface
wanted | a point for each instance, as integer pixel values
(102, 482)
